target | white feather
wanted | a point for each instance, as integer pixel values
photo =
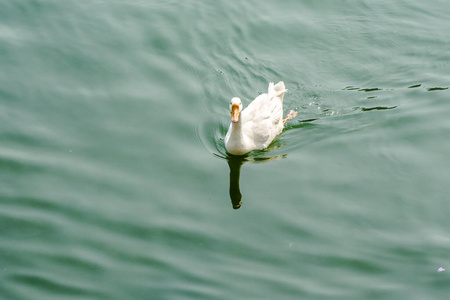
(259, 123)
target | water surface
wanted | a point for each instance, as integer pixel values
(115, 183)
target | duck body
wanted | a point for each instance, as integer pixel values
(255, 127)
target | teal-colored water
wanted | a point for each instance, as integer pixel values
(115, 183)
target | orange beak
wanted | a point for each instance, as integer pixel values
(235, 113)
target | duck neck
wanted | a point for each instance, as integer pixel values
(236, 129)
(235, 140)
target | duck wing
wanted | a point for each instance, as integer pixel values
(263, 117)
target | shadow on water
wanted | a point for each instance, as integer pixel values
(235, 163)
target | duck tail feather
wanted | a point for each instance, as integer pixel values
(277, 90)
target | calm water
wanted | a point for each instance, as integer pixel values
(115, 183)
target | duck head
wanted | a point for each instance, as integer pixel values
(235, 108)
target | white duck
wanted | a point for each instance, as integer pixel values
(255, 127)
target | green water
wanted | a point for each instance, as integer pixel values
(115, 183)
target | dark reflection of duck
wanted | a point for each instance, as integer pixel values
(235, 163)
